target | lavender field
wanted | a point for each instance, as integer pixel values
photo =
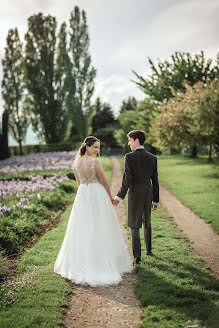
(33, 188)
(54, 161)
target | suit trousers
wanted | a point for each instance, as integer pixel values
(136, 242)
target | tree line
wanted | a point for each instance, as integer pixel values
(48, 80)
(181, 106)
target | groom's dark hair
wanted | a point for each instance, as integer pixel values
(137, 134)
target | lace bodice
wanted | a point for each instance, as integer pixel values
(86, 171)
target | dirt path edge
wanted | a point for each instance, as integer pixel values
(200, 234)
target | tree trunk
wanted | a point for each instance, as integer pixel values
(4, 150)
(20, 148)
(194, 153)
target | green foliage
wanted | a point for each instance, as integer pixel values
(4, 267)
(138, 119)
(104, 124)
(190, 118)
(169, 76)
(67, 186)
(82, 72)
(46, 80)
(13, 89)
(31, 149)
(129, 104)
(104, 115)
(106, 135)
(64, 81)
(53, 202)
(20, 225)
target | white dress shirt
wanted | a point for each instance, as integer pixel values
(120, 199)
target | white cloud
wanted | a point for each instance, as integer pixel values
(124, 33)
(189, 26)
(114, 89)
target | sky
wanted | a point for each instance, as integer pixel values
(123, 34)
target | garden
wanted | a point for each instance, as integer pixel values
(33, 190)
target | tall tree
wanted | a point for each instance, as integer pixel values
(104, 124)
(104, 115)
(13, 89)
(170, 75)
(47, 81)
(129, 104)
(190, 118)
(64, 81)
(82, 71)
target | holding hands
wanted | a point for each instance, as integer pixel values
(115, 202)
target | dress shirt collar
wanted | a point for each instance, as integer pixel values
(139, 147)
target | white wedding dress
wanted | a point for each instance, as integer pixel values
(93, 251)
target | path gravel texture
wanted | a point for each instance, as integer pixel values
(115, 306)
(200, 234)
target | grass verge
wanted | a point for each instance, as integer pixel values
(194, 182)
(38, 297)
(174, 286)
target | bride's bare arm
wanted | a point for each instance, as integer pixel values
(102, 178)
(76, 176)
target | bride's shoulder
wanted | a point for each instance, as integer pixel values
(76, 162)
(97, 162)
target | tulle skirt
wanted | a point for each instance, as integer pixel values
(93, 251)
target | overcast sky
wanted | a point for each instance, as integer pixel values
(123, 33)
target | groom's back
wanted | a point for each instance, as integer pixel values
(143, 165)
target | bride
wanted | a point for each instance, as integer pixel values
(93, 251)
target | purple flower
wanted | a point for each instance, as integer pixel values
(38, 162)
(4, 209)
(24, 200)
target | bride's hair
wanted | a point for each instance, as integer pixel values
(88, 141)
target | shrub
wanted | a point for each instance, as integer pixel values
(67, 186)
(4, 268)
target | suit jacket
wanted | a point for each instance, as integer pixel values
(141, 180)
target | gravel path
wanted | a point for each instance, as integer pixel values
(114, 306)
(200, 234)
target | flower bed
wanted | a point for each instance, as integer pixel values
(27, 206)
(37, 162)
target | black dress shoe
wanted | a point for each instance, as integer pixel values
(150, 253)
(137, 260)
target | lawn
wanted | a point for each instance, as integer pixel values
(174, 286)
(38, 297)
(194, 182)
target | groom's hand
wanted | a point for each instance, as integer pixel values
(153, 207)
(115, 202)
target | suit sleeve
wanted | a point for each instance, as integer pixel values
(155, 184)
(127, 178)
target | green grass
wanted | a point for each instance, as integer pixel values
(194, 182)
(38, 297)
(174, 286)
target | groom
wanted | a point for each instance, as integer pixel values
(141, 179)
